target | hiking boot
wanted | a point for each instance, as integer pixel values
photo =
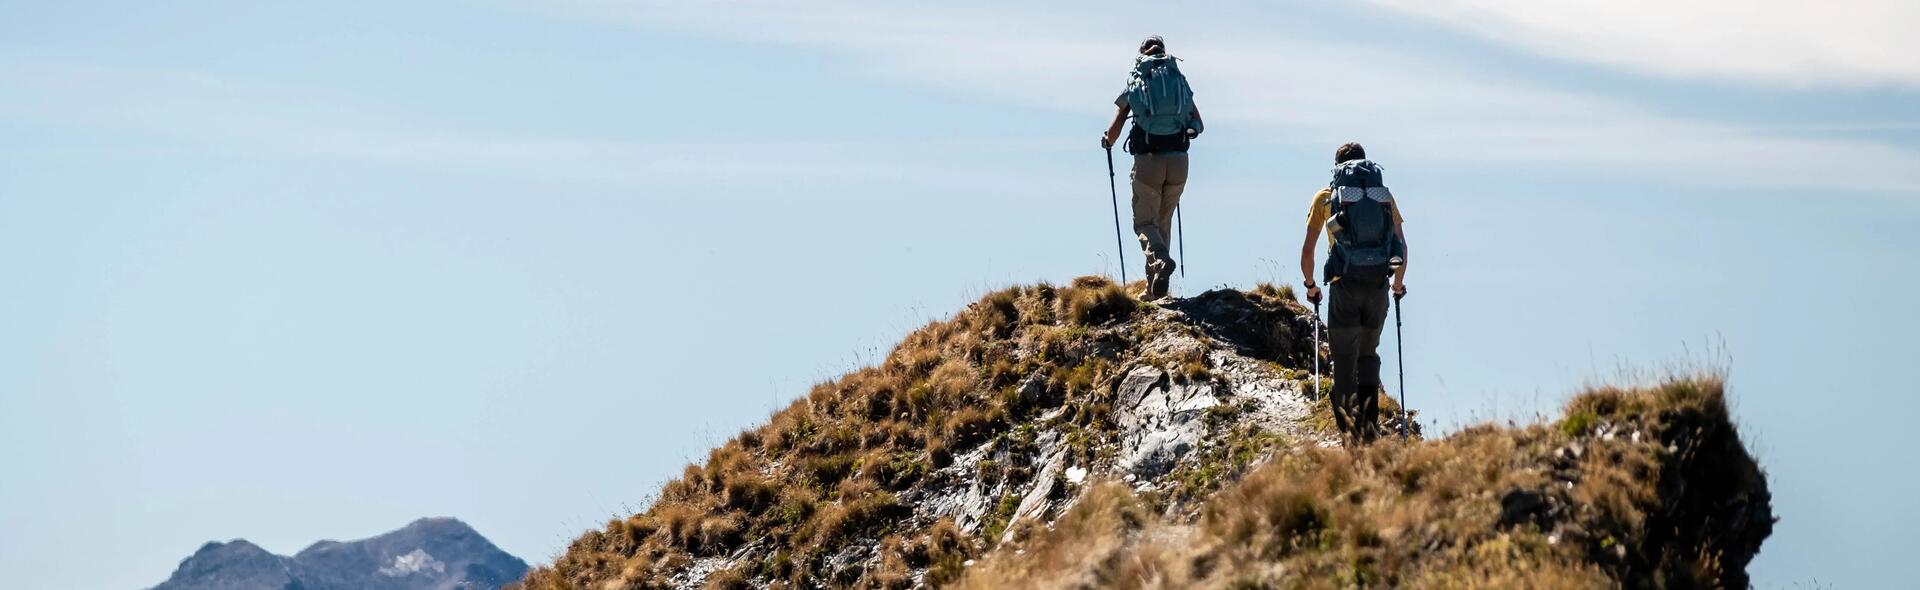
(1166, 279)
(1159, 277)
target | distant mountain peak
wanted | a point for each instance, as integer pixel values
(427, 554)
(236, 546)
(439, 525)
(436, 521)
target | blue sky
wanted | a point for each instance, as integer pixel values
(298, 272)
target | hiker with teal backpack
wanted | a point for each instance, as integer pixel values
(1165, 121)
(1366, 263)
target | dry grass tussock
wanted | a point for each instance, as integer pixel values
(827, 472)
(1646, 487)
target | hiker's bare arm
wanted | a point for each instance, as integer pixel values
(1306, 262)
(1306, 253)
(1113, 131)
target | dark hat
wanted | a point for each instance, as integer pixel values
(1153, 45)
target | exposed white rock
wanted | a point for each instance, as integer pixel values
(417, 561)
(1159, 419)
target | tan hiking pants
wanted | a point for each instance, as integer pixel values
(1158, 180)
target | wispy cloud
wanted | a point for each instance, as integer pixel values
(1853, 42)
(184, 109)
(1293, 82)
(1260, 78)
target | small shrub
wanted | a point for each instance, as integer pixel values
(989, 471)
(1195, 370)
(636, 528)
(895, 470)
(917, 401)
(951, 382)
(677, 522)
(1578, 421)
(894, 571)
(1084, 380)
(727, 579)
(797, 504)
(790, 428)
(1094, 301)
(1272, 293)
(997, 520)
(719, 533)
(970, 426)
(946, 551)
(829, 470)
(996, 314)
(938, 455)
(748, 492)
(856, 516)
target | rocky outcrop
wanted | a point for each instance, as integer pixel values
(1050, 389)
(1160, 417)
(1639, 488)
(429, 554)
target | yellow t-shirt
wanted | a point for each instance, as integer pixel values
(1322, 208)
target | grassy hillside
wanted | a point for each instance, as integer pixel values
(1074, 436)
(1640, 488)
(829, 470)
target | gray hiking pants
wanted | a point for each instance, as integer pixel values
(1357, 314)
(1158, 180)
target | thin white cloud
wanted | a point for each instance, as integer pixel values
(1288, 84)
(1850, 42)
(183, 109)
(1256, 84)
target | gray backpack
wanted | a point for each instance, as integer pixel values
(1366, 245)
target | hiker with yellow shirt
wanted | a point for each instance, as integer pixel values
(1366, 262)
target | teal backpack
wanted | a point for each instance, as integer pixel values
(1159, 97)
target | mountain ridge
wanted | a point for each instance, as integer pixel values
(1059, 436)
(436, 553)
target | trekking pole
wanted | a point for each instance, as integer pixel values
(1398, 359)
(1180, 227)
(1119, 246)
(1316, 349)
